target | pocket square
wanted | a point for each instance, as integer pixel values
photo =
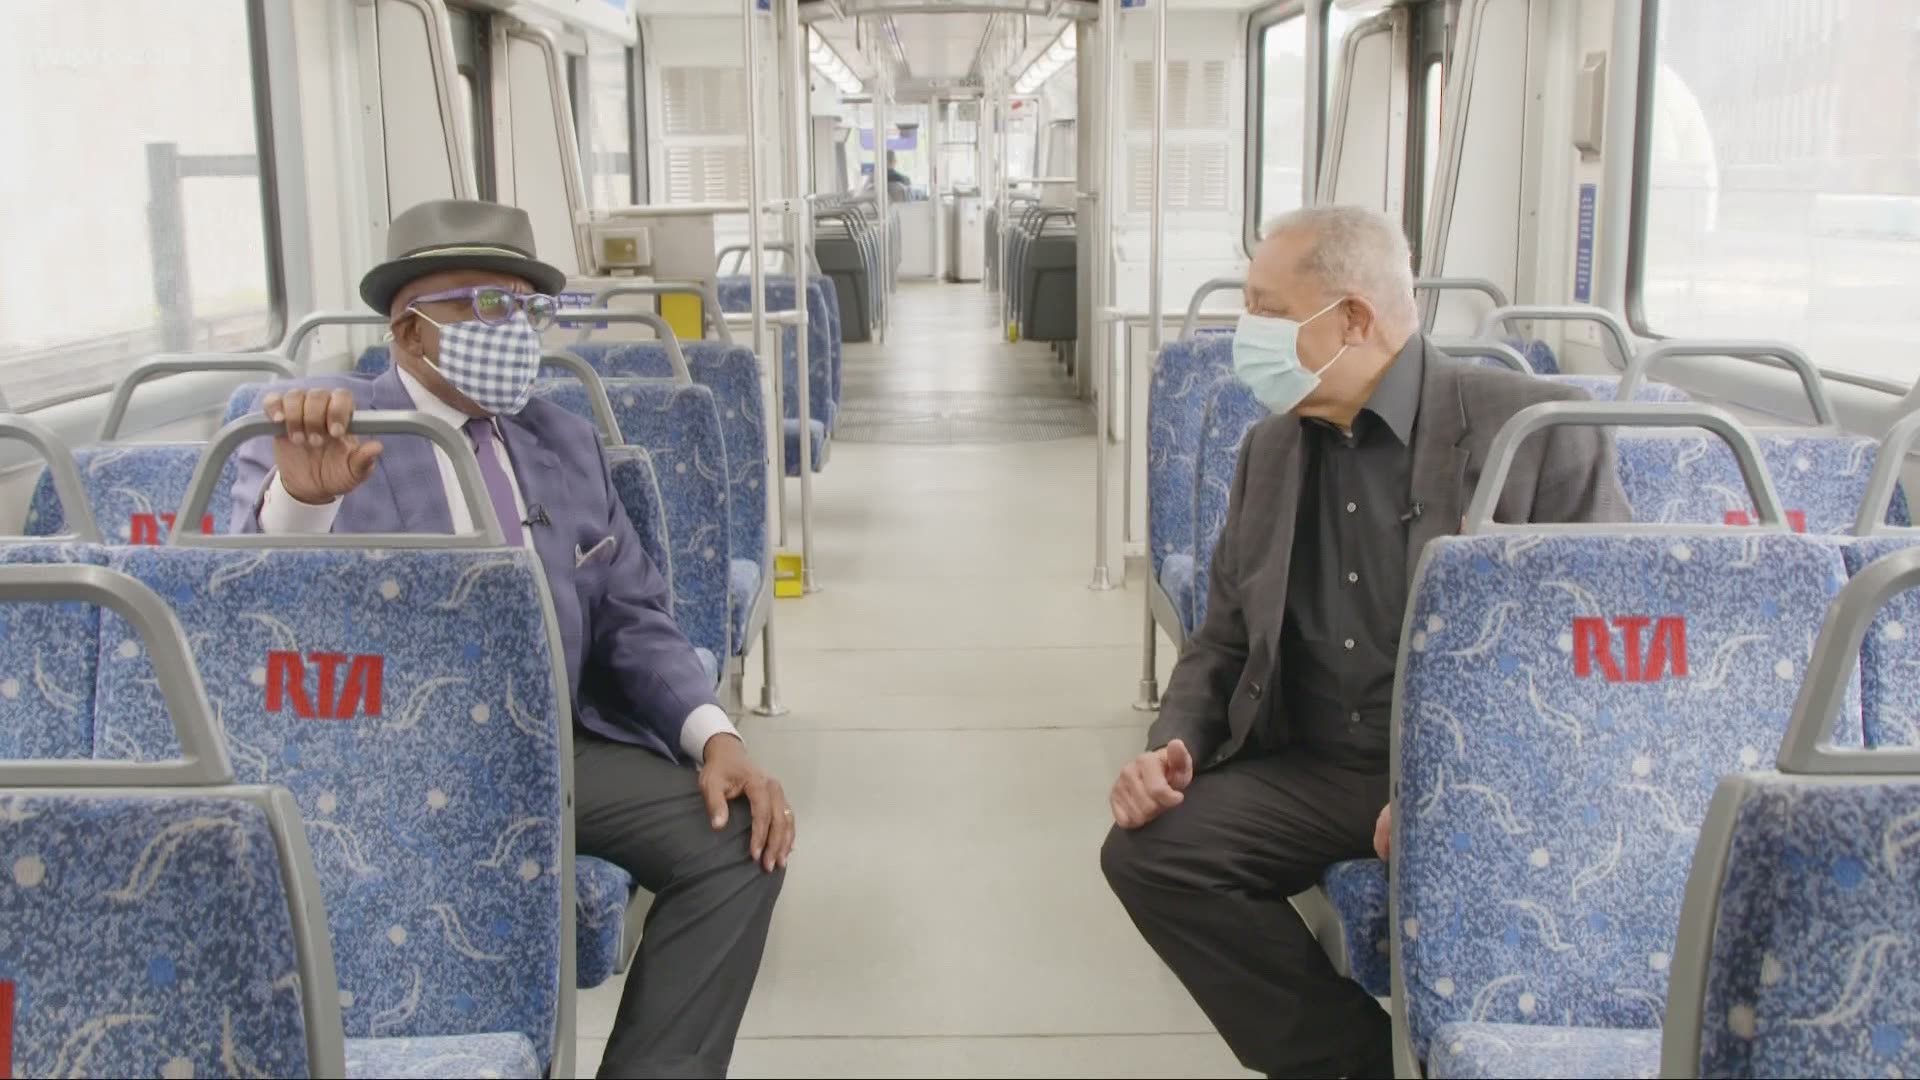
(583, 556)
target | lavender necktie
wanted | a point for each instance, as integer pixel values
(487, 449)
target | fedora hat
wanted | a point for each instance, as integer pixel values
(457, 234)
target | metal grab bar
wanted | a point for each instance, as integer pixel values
(709, 299)
(1830, 675)
(589, 316)
(1894, 448)
(1536, 418)
(1606, 320)
(314, 321)
(1795, 360)
(597, 401)
(1219, 284)
(466, 469)
(72, 494)
(1463, 284)
(1499, 350)
(179, 365)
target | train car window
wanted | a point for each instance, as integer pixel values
(133, 209)
(1780, 180)
(1279, 117)
(607, 153)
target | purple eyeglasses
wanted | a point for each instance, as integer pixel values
(494, 305)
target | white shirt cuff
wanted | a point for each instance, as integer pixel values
(702, 724)
(283, 514)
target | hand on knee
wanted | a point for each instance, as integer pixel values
(1151, 784)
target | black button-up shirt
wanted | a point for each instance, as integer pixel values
(1347, 577)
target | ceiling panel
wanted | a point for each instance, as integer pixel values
(940, 46)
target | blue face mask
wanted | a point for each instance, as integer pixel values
(1266, 356)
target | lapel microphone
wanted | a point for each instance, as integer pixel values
(1413, 513)
(537, 515)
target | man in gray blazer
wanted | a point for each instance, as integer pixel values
(467, 300)
(1268, 762)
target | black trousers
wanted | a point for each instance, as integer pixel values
(689, 985)
(1207, 885)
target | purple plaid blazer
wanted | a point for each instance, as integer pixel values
(632, 674)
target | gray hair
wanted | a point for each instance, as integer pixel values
(1356, 251)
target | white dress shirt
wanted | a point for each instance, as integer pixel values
(281, 513)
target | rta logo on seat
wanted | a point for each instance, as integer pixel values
(1795, 518)
(145, 528)
(1665, 655)
(358, 693)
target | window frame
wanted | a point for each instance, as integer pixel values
(580, 88)
(1637, 205)
(1258, 23)
(637, 163)
(477, 67)
(272, 229)
(1434, 26)
(1645, 82)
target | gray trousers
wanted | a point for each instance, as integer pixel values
(689, 985)
(1207, 884)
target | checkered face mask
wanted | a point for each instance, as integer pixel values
(494, 365)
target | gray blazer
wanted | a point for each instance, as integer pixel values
(1230, 669)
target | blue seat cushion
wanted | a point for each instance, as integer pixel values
(499, 1055)
(426, 768)
(49, 657)
(133, 491)
(141, 934)
(1468, 1051)
(792, 430)
(1357, 889)
(1539, 355)
(1184, 376)
(709, 663)
(1808, 970)
(743, 587)
(601, 891)
(1176, 577)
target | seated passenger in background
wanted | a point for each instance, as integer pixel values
(465, 294)
(1268, 762)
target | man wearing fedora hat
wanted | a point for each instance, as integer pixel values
(467, 300)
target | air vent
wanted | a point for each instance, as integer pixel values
(697, 174)
(703, 100)
(1190, 106)
(1211, 104)
(1196, 177)
(1140, 102)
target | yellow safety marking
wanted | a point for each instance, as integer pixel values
(788, 571)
